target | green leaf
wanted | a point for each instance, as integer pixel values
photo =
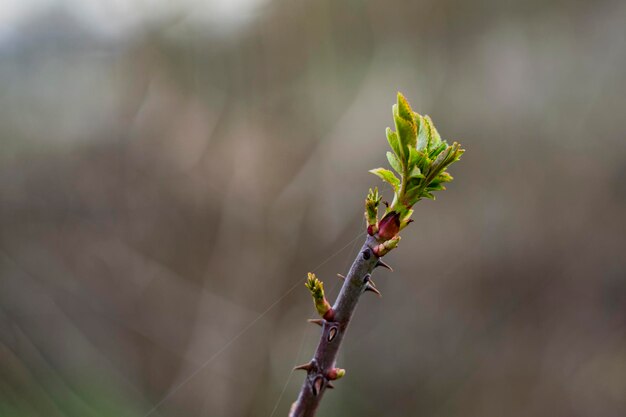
(435, 138)
(394, 162)
(426, 194)
(412, 196)
(423, 162)
(414, 182)
(387, 176)
(421, 154)
(422, 136)
(407, 131)
(416, 173)
(417, 121)
(444, 159)
(435, 186)
(419, 159)
(404, 108)
(457, 151)
(394, 143)
(414, 189)
(444, 177)
(413, 157)
(437, 150)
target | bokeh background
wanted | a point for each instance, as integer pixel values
(169, 172)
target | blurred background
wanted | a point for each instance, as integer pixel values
(170, 171)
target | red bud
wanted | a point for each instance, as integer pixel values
(335, 373)
(389, 226)
(329, 315)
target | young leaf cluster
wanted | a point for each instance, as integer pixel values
(371, 207)
(418, 156)
(316, 287)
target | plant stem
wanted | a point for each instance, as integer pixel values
(419, 155)
(323, 362)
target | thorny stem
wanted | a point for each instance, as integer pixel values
(421, 158)
(323, 361)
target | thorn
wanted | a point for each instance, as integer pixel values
(330, 385)
(368, 278)
(319, 322)
(304, 367)
(380, 262)
(341, 277)
(370, 287)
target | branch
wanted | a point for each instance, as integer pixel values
(420, 157)
(321, 369)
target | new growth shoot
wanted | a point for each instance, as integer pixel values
(420, 159)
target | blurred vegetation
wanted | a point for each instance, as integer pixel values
(152, 158)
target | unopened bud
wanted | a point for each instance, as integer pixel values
(335, 373)
(386, 247)
(389, 226)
